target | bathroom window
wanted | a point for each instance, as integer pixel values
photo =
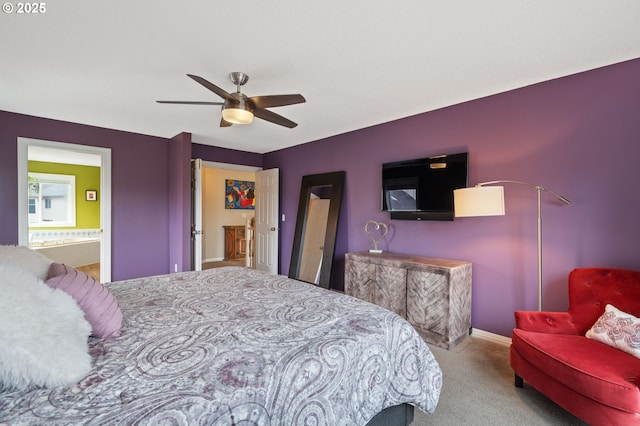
(33, 205)
(52, 200)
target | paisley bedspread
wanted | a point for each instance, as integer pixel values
(237, 346)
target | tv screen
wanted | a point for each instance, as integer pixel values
(422, 189)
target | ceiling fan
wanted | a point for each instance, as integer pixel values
(238, 108)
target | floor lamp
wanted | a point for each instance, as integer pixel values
(483, 200)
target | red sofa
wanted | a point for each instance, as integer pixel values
(595, 382)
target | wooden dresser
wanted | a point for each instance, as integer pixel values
(235, 242)
(434, 295)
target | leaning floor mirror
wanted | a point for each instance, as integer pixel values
(314, 241)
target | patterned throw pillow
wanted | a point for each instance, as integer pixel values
(617, 329)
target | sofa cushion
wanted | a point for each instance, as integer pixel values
(618, 330)
(590, 289)
(589, 367)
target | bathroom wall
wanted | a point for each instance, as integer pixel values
(87, 178)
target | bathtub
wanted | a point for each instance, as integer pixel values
(70, 251)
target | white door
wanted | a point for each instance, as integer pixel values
(267, 201)
(196, 214)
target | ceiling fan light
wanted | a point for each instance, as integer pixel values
(237, 111)
(237, 115)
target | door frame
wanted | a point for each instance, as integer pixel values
(197, 209)
(105, 194)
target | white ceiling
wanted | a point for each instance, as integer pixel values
(53, 155)
(358, 63)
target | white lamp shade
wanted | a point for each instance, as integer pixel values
(237, 115)
(479, 201)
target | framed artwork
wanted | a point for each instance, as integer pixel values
(240, 195)
(91, 195)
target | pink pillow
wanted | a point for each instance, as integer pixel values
(100, 308)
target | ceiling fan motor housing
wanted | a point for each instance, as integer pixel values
(239, 78)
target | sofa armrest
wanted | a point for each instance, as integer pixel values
(545, 322)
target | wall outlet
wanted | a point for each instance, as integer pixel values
(175, 267)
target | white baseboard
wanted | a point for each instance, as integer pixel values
(215, 259)
(486, 335)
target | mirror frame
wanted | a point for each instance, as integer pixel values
(336, 181)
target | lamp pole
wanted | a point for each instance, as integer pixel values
(539, 189)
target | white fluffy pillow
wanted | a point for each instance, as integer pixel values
(31, 260)
(43, 333)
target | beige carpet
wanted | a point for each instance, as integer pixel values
(478, 390)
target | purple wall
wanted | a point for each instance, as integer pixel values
(225, 155)
(139, 188)
(179, 177)
(578, 136)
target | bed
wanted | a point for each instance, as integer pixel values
(236, 346)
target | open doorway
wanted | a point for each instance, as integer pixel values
(232, 233)
(227, 214)
(64, 208)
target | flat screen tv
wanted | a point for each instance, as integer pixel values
(422, 189)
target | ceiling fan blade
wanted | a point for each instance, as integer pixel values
(215, 89)
(265, 114)
(224, 123)
(277, 100)
(190, 103)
